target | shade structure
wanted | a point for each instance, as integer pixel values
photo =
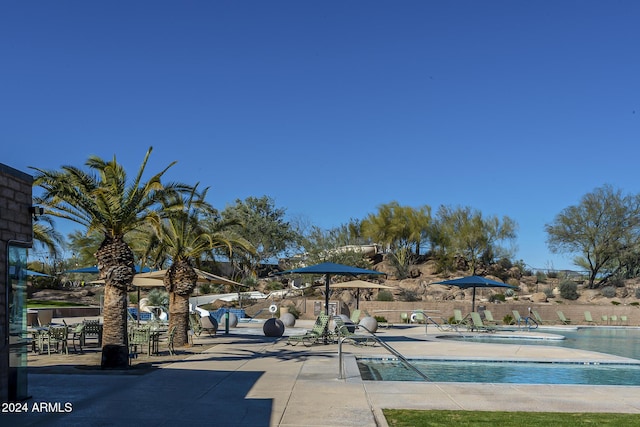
(139, 282)
(94, 270)
(328, 269)
(36, 273)
(475, 282)
(357, 285)
(203, 277)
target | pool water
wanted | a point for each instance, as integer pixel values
(623, 342)
(511, 372)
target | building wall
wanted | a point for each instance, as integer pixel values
(15, 225)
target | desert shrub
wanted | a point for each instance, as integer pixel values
(409, 296)
(384, 295)
(380, 319)
(635, 303)
(552, 274)
(508, 320)
(158, 297)
(542, 278)
(608, 291)
(569, 290)
(617, 282)
(294, 310)
(497, 297)
(273, 286)
(509, 293)
(133, 297)
(615, 302)
(548, 291)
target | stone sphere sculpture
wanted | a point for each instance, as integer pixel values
(288, 319)
(273, 327)
(233, 320)
(370, 323)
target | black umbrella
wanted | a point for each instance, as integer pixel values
(329, 268)
(475, 282)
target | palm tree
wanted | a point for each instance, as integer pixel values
(104, 202)
(184, 238)
(47, 236)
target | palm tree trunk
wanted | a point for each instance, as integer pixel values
(179, 317)
(116, 265)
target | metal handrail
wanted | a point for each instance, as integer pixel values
(386, 346)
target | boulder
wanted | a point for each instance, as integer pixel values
(538, 297)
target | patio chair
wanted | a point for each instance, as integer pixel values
(605, 319)
(77, 335)
(478, 325)
(195, 323)
(342, 331)
(614, 319)
(624, 319)
(57, 338)
(404, 317)
(562, 317)
(315, 335)
(171, 334)
(588, 318)
(488, 318)
(355, 316)
(92, 329)
(45, 316)
(139, 337)
(209, 325)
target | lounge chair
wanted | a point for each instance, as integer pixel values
(342, 331)
(355, 316)
(624, 319)
(516, 317)
(605, 319)
(488, 318)
(404, 317)
(313, 336)
(536, 316)
(563, 319)
(417, 317)
(614, 319)
(457, 318)
(588, 318)
(477, 324)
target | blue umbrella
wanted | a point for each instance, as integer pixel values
(329, 268)
(475, 282)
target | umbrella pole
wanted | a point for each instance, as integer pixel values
(473, 300)
(357, 298)
(326, 307)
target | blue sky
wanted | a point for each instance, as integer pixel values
(332, 108)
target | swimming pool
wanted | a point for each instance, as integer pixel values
(509, 372)
(623, 342)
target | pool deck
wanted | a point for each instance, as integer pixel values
(246, 379)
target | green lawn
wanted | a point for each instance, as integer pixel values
(414, 418)
(34, 303)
